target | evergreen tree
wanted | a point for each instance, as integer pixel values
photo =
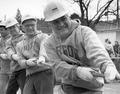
(18, 16)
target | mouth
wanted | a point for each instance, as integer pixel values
(62, 27)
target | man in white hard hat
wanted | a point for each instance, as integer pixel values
(18, 76)
(40, 78)
(4, 61)
(79, 59)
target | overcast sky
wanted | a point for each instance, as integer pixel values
(9, 8)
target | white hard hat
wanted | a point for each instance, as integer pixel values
(2, 24)
(27, 17)
(10, 22)
(54, 10)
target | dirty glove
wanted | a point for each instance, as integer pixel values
(111, 73)
(3, 56)
(31, 62)
(90, 78)
(41, 60)
(15, 57)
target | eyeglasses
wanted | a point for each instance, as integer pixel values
(61, 19)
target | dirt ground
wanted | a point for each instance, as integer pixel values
(113, 88)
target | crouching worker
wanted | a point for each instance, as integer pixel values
(80, 61)
(40, 79)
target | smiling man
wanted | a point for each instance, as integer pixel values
(40, 79)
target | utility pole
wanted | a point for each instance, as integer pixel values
(117, 18)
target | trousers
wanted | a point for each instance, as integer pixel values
(17, 80)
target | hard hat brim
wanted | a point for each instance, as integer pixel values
(11, 25)
(11, 22)
(28, 18)
(2, 24)
(56, 16)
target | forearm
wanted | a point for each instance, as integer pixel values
(64, 70)
(29, 62)
(10, 52)
(23, 63)
(4, 56)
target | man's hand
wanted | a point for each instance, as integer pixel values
(3, 56)
(84, 73)
(41, 60)
(15, 57)
(111, 73)
(89, 74)
(31, 62)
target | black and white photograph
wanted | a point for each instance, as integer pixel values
(59, 46)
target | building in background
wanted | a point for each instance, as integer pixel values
(108, 30)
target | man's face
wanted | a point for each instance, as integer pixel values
(61, 25)
(29, 27)
(14, 30)
(3, 31)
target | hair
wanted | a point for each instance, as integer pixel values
(74, 16)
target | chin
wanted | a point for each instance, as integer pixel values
(64, 33)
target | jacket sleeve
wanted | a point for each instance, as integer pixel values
(22, 60)
(62, 69)
(9, 49)
(95, 50)
(42, 51)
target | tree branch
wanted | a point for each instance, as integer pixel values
(105, 7)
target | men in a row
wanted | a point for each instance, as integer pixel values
(23, 53)
(76, 53)
(79, 60)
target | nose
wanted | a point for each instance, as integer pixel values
(61, 23)
(30, 27)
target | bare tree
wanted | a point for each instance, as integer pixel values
(84, 8)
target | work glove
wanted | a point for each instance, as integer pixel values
(15, 57)
(91, 78)
(3, 56)
(31, 62)
(41, 60)
(111, 73)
